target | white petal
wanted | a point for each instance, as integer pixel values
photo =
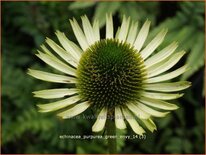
(132, 122)
(161, 96)
(158, 103)
(167, 76)
(57, 64)
(161, 55)
(109, 26)
(101, 120)
(142, 35)
(164, 65)
(58, 104)
(79, 34)
(168, 87)
(119, 119)
(149, 49)
(96, 30)
(151, 111)
(122, 35)
(132, 33)
(45, 76)
(138, 112)
(69, 46)
(88, 30)
(76, 110)
(55, 93)
(149, 124)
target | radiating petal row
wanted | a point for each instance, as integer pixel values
(152, 101)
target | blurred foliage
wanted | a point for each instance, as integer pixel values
(24, 27)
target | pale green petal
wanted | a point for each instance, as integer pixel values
(68, 46)
(58, 104)
(167, 76)
(117, 33)
(124, 29)
(88, 30)
(57, 64)
(151, 111)
(109, 26)
(43, 47)
(101, 120)
(119, 119)
(45, 76)
(132, 122)
(79, 34)
(150, 48)
(76, 48)
(161, 55)
(142, 36)
(55, 93)
(138, 112)
(61, 52)
(76, 110)
(132, 33)
(161, 96)
(158, 103)
(164, 65)
(96, 30)
(168, 87)
(149, 124)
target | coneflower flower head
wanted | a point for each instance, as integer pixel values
(116, 76)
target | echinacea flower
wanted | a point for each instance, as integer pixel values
(117, 76)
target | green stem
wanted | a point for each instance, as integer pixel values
(111, 131)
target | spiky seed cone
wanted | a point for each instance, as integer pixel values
(110, 73)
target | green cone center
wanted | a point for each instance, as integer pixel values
(110, 73)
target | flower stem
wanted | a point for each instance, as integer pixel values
(111, 132)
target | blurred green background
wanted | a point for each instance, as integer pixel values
(24, 28)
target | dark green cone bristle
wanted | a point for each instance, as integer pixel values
(110, 73)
